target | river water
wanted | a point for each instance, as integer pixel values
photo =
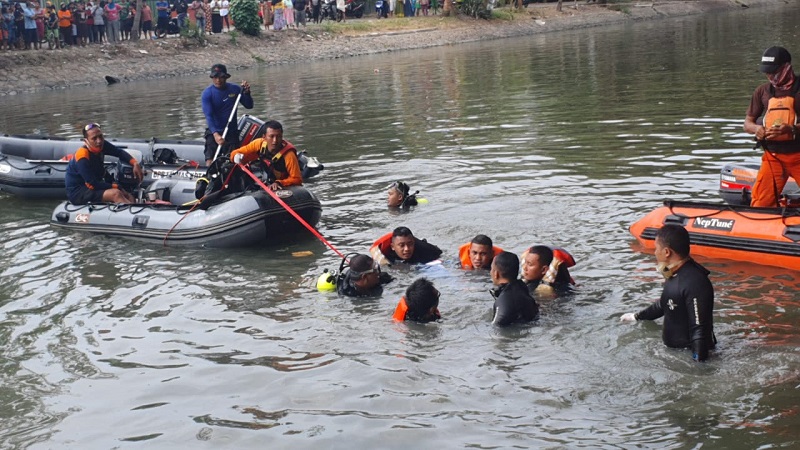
(565, 138)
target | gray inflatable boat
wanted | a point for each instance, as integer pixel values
(34, 166)
(174, 218)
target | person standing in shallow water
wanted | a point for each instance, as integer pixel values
(687, 301)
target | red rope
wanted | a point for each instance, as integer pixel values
(289, 210)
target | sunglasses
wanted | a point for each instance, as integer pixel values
(90, 126)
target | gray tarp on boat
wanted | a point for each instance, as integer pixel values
(235, 220)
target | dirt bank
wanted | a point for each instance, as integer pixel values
(36, 70)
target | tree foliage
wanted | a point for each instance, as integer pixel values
(245, 16)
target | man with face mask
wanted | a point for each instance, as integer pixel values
(687, 301)
(772, 118)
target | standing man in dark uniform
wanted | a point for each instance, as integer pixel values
(217, 101)
(778, 103)
(687, 301)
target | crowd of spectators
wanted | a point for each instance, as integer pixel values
(29, 24)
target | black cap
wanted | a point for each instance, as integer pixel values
(219, 70)
(773, 58)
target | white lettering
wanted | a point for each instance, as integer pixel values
(724, 224)
(767, 59)
(696, 314)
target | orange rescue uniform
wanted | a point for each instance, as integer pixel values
(284, 165)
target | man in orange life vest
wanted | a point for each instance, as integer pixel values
(544, 270)
(420, 304)
(478, 253)
(277, 154)
(401, 246)
(779, 104)
(85, 171)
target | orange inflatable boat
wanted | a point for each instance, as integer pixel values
(768, 236)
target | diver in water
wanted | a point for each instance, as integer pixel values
(362, 278)
(400, 196)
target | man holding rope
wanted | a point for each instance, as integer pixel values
(278, 155)
(219, 102)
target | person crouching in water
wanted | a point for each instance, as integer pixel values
(512, 302)
(420, 304)
(400, 196)
(278, 155)
(363, 278)
(85, 171)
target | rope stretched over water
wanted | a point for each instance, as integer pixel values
(289, 210)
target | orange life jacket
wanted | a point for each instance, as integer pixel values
(780, 110)
(401, 310)
(383, 243)
(463, 255)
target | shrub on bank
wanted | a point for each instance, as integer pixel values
(245, 16)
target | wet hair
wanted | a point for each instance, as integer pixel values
(402, 188)
(482, 239)
(674, 237)
(274, 124)
(401, 232)
(409, 199)
(360, 264)
(507, 264)
(543, 252)
(421, 296)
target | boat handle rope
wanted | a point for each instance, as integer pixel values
(5, 159)
(199, 202)
(738, 213)
(289, 210)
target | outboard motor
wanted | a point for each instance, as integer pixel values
(124, 176)
(250, 128)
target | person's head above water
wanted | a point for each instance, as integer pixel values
(364, 273)
(400, 196)
(481, 252)
(403, 243)
(422, 299)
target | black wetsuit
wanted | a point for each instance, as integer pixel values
(687, 304)
(346, 287)
(423, 253)
(513, 303)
